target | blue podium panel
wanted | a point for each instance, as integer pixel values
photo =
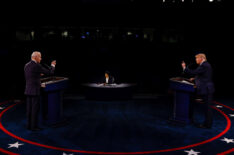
(182, 86)
(52, 98)
(56, 85)
(182, 90)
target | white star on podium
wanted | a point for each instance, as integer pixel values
(192, 152)
(1, 108)
(16, 145)
(227, 140)
(231, 115)
(67, 154)
(219, 106)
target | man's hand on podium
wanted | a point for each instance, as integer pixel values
(53, 63)
(191, 79)
(43, 85)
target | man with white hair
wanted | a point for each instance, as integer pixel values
(33, 71)
(204, 84)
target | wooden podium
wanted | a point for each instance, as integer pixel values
(182, 89)
(52, 99)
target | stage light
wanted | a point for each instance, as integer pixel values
(32, 34)
(87, 33)
(164, 1)
(51, 33)
(110, 37)
(65, 34)
(211, 0)
(129, 33)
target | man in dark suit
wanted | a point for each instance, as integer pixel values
(108, 78)
(33, 71)
(204, 85)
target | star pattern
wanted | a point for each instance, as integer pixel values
(192, 152)
(227, 140)
(16, 145)
(189, 152)
(67, 154)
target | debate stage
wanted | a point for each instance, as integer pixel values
(112, 90)
(136, 126)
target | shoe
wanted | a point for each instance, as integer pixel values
(203, 126)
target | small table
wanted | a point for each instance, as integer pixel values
(96, 91)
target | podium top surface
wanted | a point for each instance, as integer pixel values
(51, 80)
(182, 80)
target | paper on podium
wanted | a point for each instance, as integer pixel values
(183, 81)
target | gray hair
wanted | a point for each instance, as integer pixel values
(35, 54)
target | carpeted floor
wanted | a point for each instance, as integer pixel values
(138, 126)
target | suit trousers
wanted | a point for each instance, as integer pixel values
(207, 109)
(33, 108)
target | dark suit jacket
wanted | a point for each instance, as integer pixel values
(111, 80)
(32, 72)
(203, 78)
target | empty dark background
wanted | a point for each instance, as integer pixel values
(175, 31)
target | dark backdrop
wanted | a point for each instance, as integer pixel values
(179, 30)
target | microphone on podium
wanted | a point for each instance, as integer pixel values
(46, 66)
(189, 65)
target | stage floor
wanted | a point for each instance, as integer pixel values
(138, 126)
